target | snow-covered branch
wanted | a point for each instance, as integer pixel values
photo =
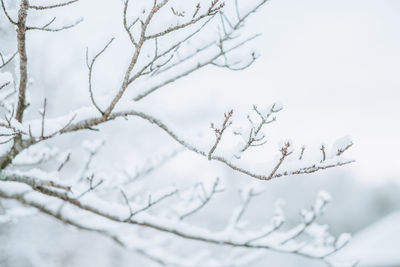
(269, 237)
(170, 40)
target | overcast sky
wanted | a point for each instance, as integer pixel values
(335, 65)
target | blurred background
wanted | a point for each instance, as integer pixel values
(333, 64)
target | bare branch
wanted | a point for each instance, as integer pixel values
(255, 137)
(66, 160)
(341, 151)
(90, 67)
(157, 56)
(92, 186)
(193, 69)
(91, 156)
(285, 153)
(206, 199)
(53, 6)
(135, 57)
(4, 85)
(128, 27)
(23, 59)
(6, 13)
(5, 63)
(46, 29)
(143, 38)
(220, 131)
(149, 167)
(181, 26)
(127, 203)
(323, 153)
(151, 203)
(303, 148)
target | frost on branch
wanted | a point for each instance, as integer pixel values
(169, 40)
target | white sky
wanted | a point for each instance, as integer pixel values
(335, 66)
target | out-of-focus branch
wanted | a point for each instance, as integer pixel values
(303, 148)
(141, 250)
(204, 200)
(151, 203)
(81, 226)
(35, 183)
(4, 85)
(148, 167)
(64, 162)
(232, 238)
(5, 62)
(7, 15)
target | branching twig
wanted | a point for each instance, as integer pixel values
(220, 131)
(6, 13)
(65, 161)
(5, 62)
(90, 68)
(323, 153)
(206, 199)
(179, 229)
(91, 202)
(46, 29)
(53, 6)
